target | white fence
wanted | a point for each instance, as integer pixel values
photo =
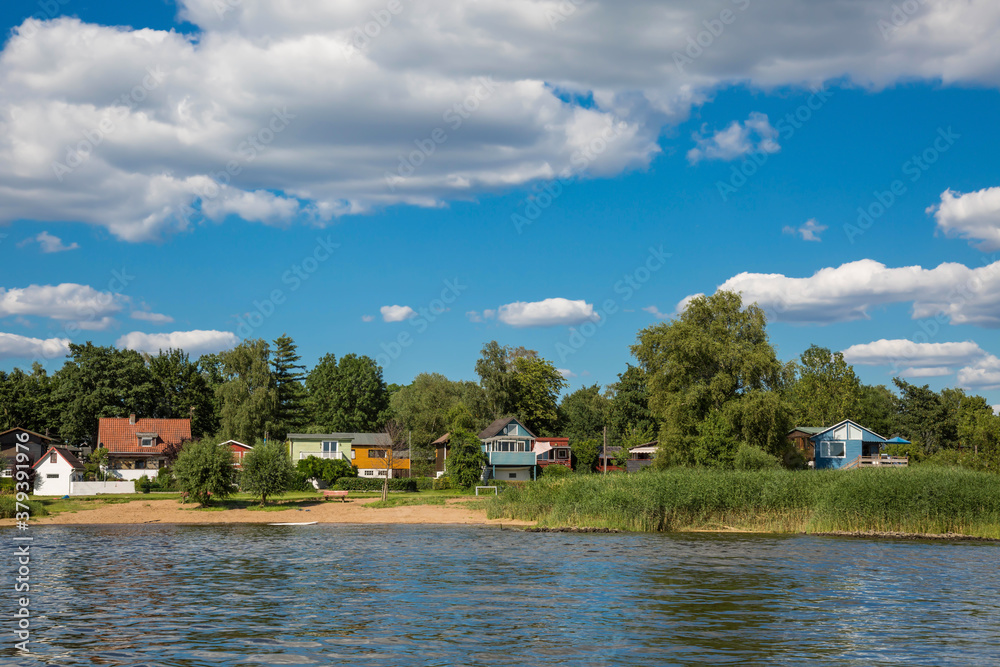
(94, 488)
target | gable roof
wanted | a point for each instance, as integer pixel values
(37, 435)
(494, 429)
(67, 455)
(120, 436)
(443, 440)
(847, 421)
(237, 442)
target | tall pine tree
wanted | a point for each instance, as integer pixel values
(288, 375)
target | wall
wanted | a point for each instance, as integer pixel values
(94, 488)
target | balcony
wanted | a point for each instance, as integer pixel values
(323, 455)
(511, 458)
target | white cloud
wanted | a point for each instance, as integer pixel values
(474, 316)
(90, 308)
(655, 312)
(214, 89)
(979, 369)
(883, 352)
(546, 313)
(367, 318)
(974, 216)
(984, 374)
(195, 343)
(23, 347)
(736, 140)
(848, 292)
(397, 313)
(154, 318)
(566, 373)
(809, 230)
(48, 243)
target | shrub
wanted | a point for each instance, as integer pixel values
(465, 459)
(424, 483)
(6, 485)
(555, 471)
(326, 470)
(9, 509)
(143, 485)
(375, 484)
(754, 458)
(443, 482)
(299, 481)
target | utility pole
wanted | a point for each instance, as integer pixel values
(604, 450)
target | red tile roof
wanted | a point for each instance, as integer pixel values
(68, 456)
(119, 436)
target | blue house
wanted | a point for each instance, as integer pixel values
(842, 445)
(507, 444)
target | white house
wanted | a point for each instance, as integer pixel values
(55, 472)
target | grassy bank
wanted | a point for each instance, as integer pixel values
(914, 500)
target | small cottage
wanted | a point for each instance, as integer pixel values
(56, 471)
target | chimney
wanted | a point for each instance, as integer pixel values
(131, 419)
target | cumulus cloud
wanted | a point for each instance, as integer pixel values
(848, 292)
(154, 318)
(367, 318)
(13, 346)
(974, 216)
(546, 313)
(396, 313)
(163, 129)
(89, 308)
(809, 230)
(977, 369)
(566, 373)
(49, 243)
(736, 140)
(195, 342)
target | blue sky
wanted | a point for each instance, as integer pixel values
(580, 191)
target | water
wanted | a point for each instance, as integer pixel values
(434, 595)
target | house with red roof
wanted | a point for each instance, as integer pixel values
(239, 450)
(138, 447)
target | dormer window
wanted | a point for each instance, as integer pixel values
(146, 441)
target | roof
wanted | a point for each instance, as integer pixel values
(355, 438)
(69, 457)
(38, 435)
(614, 449)
(497, 426)
(809, 430)
(443, 440)
(237, 442)
(120, 436)
(847, 421)
(555, 442)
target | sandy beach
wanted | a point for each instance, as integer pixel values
(455, 511)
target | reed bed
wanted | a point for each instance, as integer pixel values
(922, 500)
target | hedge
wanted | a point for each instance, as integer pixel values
(365, 484)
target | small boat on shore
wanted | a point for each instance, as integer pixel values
(301, 523)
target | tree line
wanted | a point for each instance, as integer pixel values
(704, 384)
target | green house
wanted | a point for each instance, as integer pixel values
(326, 445)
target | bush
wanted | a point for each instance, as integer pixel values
(205, 470)
(555, 471)
(299, 481)
(443, 482)
(143, 485)
(424, 483)
(754, 458)
(326, 470)
(6, 485)
(375, 484)
(9, 509)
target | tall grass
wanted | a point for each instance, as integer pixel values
(915, 500)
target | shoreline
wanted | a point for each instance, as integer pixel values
(171, 512)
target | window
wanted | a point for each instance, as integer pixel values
(146, 442)
(833, 449)
(369, 472)
(353, 452)
(330, 446)
(140, 464)
(376, 453)
(562, 454)
(512, 475)
(53, 458)
(52, 476)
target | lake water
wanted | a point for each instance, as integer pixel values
(436, 595)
